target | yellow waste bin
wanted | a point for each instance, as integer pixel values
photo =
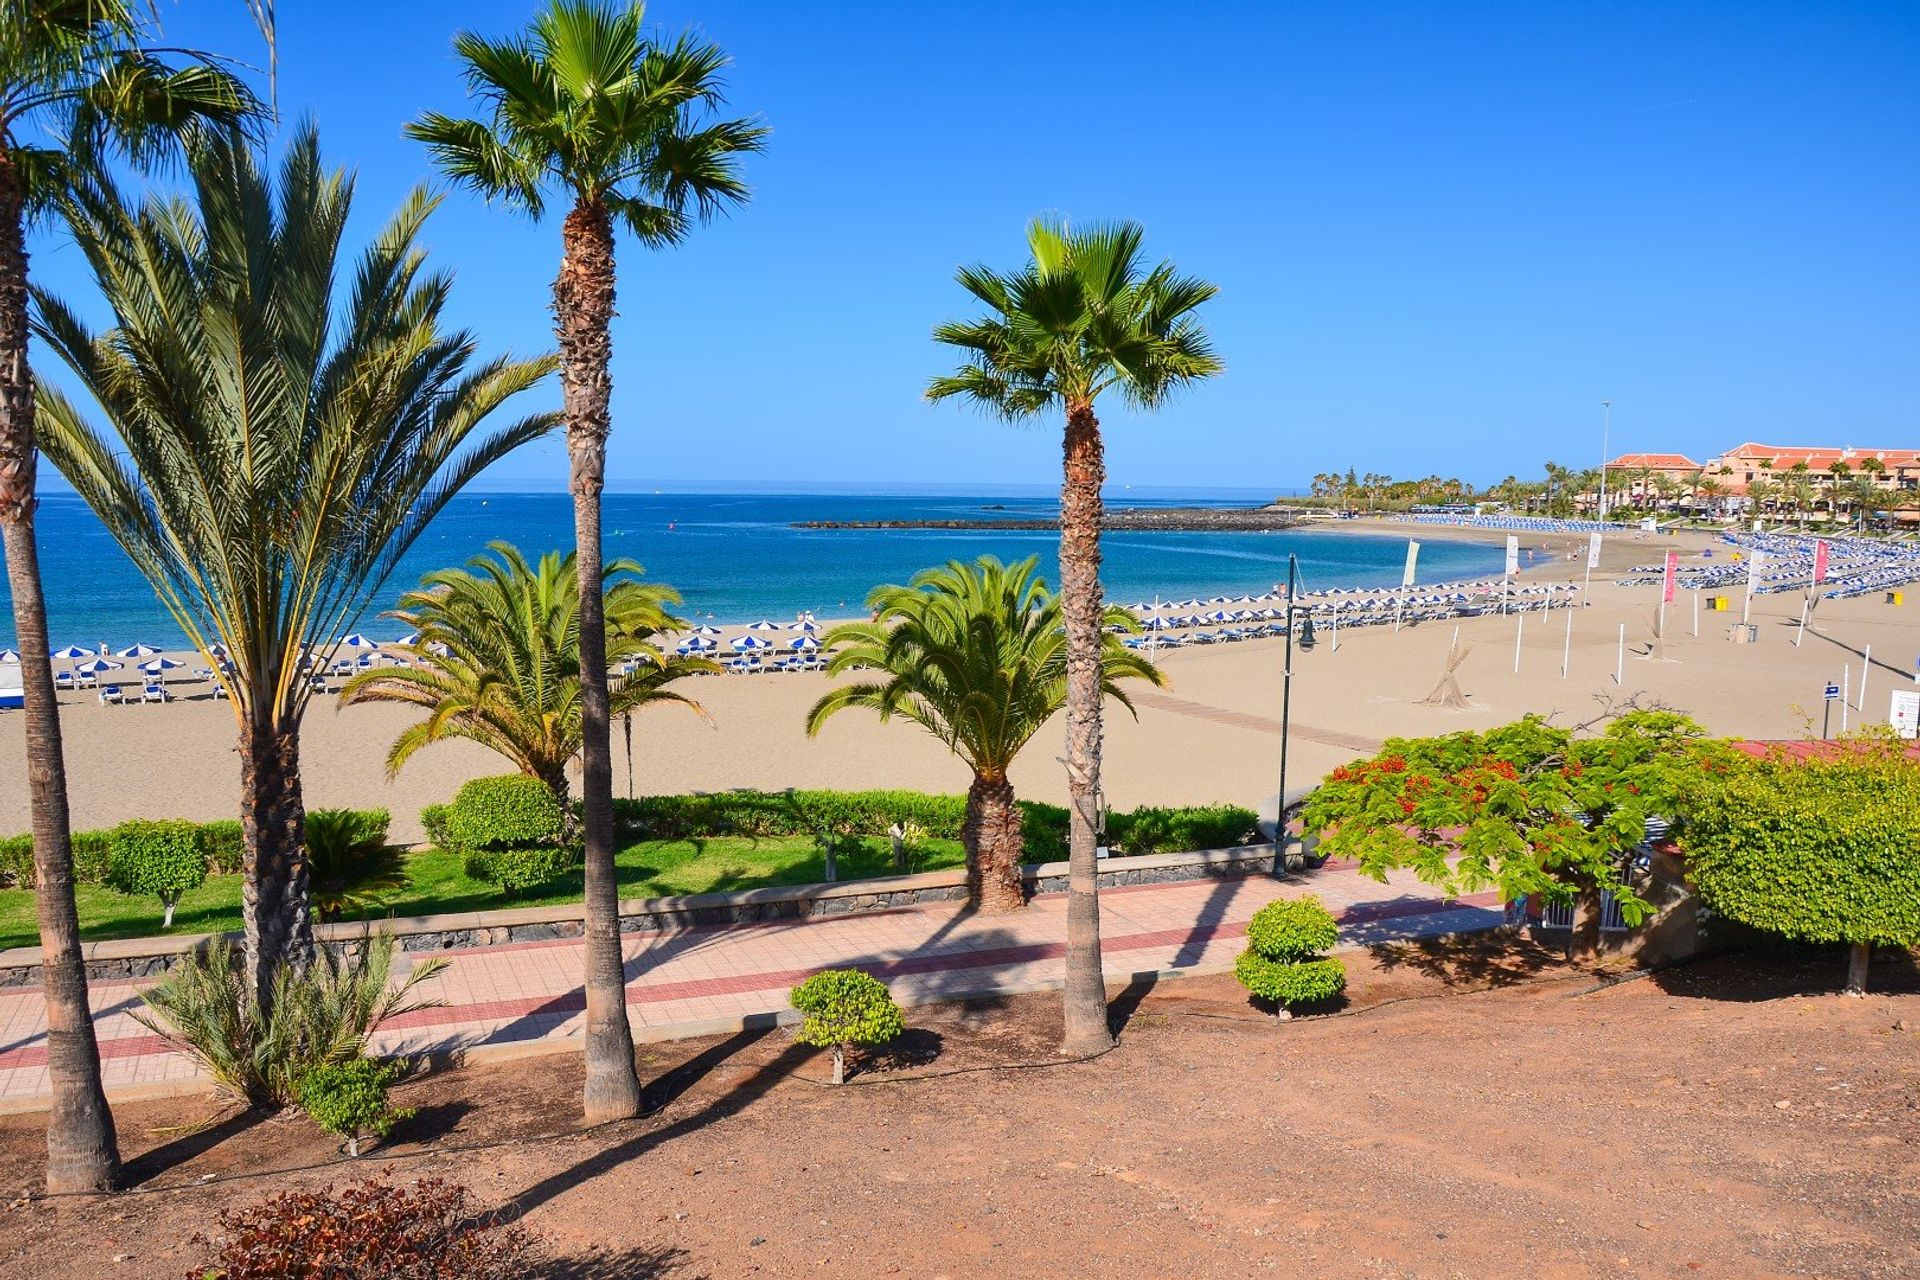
(1719, 604)
(1896, 597)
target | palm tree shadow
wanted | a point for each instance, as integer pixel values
(149, 1165)
(727, 1104)
(642, 1262)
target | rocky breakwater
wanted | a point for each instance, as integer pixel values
(1147, 519)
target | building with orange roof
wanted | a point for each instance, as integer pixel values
(1636, 477)
(1821, 468)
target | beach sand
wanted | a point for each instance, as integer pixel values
(1213, 735)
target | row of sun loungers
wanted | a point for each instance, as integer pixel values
(1855, 566)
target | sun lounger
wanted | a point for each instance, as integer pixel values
(155, 693)
(111, 695)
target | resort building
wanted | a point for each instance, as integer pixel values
(1644, 479)
(1822, 469)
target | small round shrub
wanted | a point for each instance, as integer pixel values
(350, 1099)
(1292, 929)
(1290, 983)
(160, 857)
(505, 812)
(433, 821)
(517, 870)
(845, 1007)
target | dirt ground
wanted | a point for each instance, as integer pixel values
(1473, 1112)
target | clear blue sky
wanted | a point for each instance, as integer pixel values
(1443, 233)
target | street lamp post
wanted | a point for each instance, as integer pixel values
(1606, 429)
(1286, 708)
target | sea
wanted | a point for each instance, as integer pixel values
(737, 557)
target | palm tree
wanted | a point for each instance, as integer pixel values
(274, 448)
(79, 83)
(1083, 317)
(975, 655)
(506, 671)
(618, 124)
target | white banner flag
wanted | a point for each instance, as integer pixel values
(1593, 550)
(1754, 561)
(1513, 554)
(1413, 554)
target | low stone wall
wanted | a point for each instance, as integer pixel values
(148, 957)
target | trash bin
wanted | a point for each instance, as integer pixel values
(1896, 597)
(1719, 604)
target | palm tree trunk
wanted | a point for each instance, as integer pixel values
(1081, 606)
(583, 315)
(82, 1153)
(992, 838)
(276, 907)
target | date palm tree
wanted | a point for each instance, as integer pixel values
(506, 667)
(1083, 317)
(79, 82)
(271, 448)
(586, 105)
(975, 654)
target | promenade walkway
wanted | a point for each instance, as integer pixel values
(525, 997)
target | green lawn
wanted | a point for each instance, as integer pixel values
(648, 868)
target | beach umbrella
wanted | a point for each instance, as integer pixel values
(744, 643)
(807, 625)
(698, 644)
(354, 640)
(704, 630)
(96, 666)
(158, 665)
(1156, 624)
(215, 650)
(763, 625)
(1219, 615)
(9, 655)
(803, 642)
(137, 650)
(408, 640)
(71, 651)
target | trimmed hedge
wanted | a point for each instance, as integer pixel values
(1288, 984)
(514, 871)
(803, 813)
(1292, 929)
(1282, 962)
(222, 842)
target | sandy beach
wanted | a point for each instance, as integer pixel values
(1212, 735)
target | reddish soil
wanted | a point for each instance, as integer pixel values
(1479, 1113)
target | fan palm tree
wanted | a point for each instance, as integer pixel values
(975, 654)
(585, 104)
(506, 670)
(79, 82)
(271, 448)
(1083, 317)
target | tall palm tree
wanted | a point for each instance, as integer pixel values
(586, 105)
(506, 670)
(975, 654)
(1083, 317)
(271, 448)
(79, 82)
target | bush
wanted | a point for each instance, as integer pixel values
(349, 862)
(1292, 929)
(350, 1099)
(205, 1009)
(225, 844)
(372, 1230)
(1282, 962)
(1821, 850)
(514, 871)
(1290, 983)
(510, 811)
(845, 1007)
(162, 858)
(1156, 830)
(433, 821)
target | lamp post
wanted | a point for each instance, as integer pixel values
(1286, 707)
(1606, 429)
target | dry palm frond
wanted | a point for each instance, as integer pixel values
(1448, 693)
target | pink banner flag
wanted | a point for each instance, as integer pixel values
(1820, 561)
(1673, 564)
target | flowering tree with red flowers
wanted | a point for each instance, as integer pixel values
(1528, 808)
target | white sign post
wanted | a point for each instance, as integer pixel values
(1754, 562)
(1566, 650)
(1513, 567)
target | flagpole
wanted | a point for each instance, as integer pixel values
(1286, 708)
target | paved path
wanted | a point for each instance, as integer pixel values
(525, 997)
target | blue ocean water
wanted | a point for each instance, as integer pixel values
(736, 557)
